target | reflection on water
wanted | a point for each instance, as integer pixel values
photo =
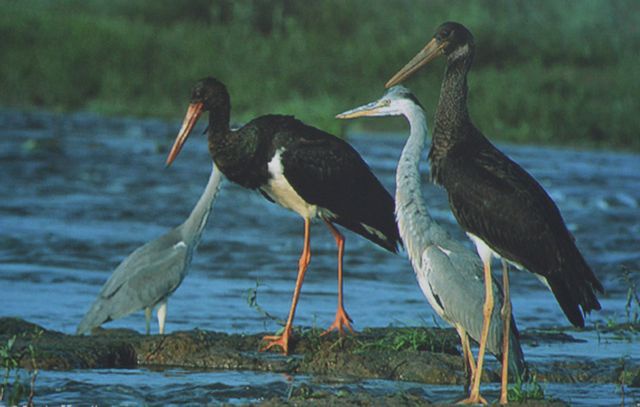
(79, 193)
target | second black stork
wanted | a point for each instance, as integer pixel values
(301, 168)
(502, 208)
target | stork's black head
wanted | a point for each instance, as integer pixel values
(208, 94)
(455, 40)
(451, 39)
(211, 93)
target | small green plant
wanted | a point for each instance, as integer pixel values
(13, 386)
(526, 390)
(632, 306)
(414, 339)
(252, 301)
(406, 339)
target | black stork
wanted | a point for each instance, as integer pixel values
(301, 168)
(503, 209)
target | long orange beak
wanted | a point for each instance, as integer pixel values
(193, 113)
(431, 51)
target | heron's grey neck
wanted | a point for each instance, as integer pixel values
(414, 221)
(194, 225)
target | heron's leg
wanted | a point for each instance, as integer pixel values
(506, 332)
(283, 340)
(147, 319)
(162, 316)
(467, 356)
(342, 319)
(474, 397)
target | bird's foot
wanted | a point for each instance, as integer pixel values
(278, 340)
(473, 399)
(342, 321)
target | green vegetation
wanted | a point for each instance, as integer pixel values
(523, 391)
(632, 305)
(418, 339)
(252, 302)
(545, 71)
(11, 356)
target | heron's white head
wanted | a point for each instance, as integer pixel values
(397, 101)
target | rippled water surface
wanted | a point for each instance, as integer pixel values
(79, 193)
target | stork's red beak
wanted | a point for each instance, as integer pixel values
(193, 113)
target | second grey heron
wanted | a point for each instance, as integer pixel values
(149, 275)
(449, 274)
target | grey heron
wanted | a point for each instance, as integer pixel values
(449, 274)
(503, 209)
(152, 272)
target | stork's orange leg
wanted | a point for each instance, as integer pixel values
(342, 320)
(283, 340)
(506, 333)
(474, 397)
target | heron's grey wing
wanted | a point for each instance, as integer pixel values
(140, 258)
(147, 276)
(456, 278)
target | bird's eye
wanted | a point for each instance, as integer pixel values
(445, 33)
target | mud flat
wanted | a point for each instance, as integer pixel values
(421, 355)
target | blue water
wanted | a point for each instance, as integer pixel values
(78, 193)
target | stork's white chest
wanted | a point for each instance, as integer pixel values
(281, 191)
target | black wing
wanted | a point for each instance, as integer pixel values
(326, 171)
(497, 200)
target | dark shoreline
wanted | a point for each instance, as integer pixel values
(379, 353)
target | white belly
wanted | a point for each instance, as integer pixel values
(283, 193)
(485, 253)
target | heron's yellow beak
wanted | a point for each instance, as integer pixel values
(431, 51)
(193, 113)
(370, 109)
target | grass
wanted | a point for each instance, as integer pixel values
(545, 72)
(252, 302)
(632, 304)
(528, 390)
(14, 389)
(417, 339)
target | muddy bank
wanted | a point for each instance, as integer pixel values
(424, 355)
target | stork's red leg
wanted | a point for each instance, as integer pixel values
(342, 318)
(283, 340)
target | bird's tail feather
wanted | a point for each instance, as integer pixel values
(575, 296)
(589, 284)
(95, 317)
(388, 239)
(517, 364)
(566, 297)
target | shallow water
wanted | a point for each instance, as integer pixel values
(79, 193)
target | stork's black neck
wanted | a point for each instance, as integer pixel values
(452, 122)
(234, 152)
(452, 116)
(219, 117)
(218, 132)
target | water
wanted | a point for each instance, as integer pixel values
(79, 193)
